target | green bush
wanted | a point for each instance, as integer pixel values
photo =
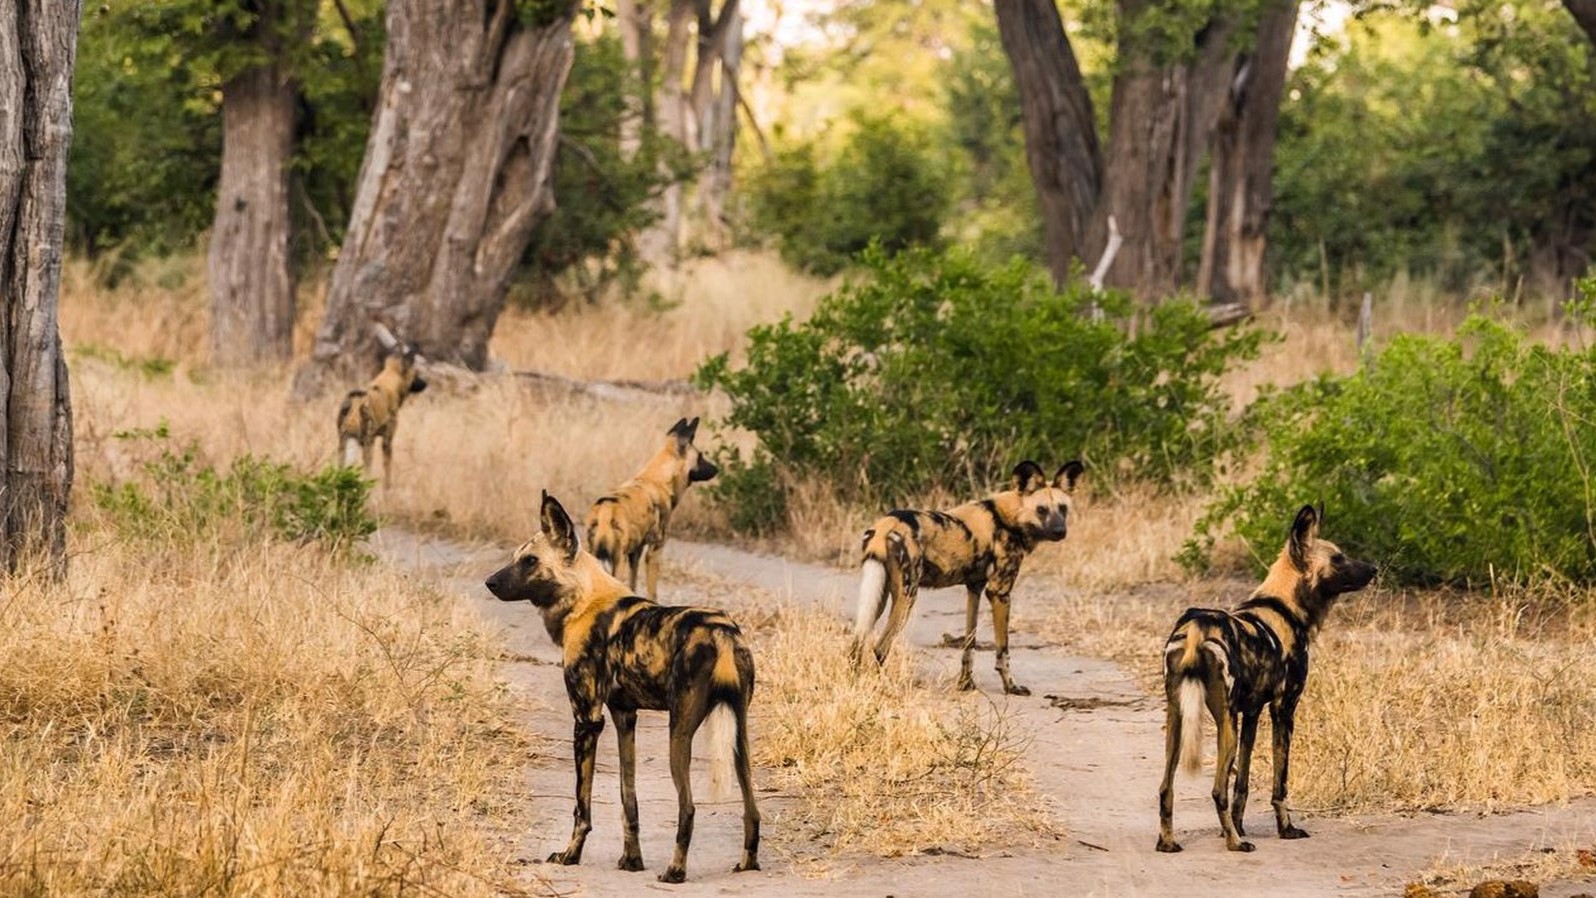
(935, 370)
(178, 497)
(884, 186)
(1460, 460)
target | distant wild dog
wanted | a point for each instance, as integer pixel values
(627, 527)
(373, 413)
(978, 545)
(629, 654)
(1238, 661)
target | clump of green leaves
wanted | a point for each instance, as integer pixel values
(1462, 460)
(937, 371)
(179, 497)
(885, 185)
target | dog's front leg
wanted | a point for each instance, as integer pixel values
(972, 610)
(585, 735)
(1000, 637)
(626, 743)
(1281, 717)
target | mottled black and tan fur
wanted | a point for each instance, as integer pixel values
(1239, 662)
(372, 414)
(626, 528)
(978, 545)
(627, 654)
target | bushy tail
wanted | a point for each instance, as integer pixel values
(1191, 724)
(872, 596)
(601, 536)
(720, 734)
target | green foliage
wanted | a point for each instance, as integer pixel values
(935, 370)
(603, 192)
(886, 185)
(1445, 460)
(178, 497)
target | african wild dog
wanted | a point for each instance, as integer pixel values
(1238, 661)
(978, 545)
(373, 413)
(627, 527)
(629, 654)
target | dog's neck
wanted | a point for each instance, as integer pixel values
(1286, 583)
(591, 590)
(1005, 506)
(666, 468)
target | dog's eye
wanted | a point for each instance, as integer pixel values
(529, 562)
(1337, 558)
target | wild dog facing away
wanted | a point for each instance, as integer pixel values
(978, 545)
(629, 654)
(627, 527)
(373, 413)
(1239, 661)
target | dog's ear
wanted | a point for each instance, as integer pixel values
(1304, 530)
(1067, 475)
(558, 528)
(1028, 477)
(684, 431)
(692, 429)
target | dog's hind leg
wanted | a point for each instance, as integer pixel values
(745, 781)
(1238, 800)
(387, 455)
(1173, 714)
(972, 612)
(634, 560)
(626, 743)
(651, 555)
(1225, 722)
(685, 718)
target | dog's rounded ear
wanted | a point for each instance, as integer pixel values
(1067, 475)
(1304, 530)
(558, 528)
(1028, 477)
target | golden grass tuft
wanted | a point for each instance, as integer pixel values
(247, 719)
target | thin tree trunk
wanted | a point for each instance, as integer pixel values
(252, 287)
(1584, 13)
(658, 245)
(1241, 171)
(38, 46)
(1061, 146)
(713, 121)
(455, 178)
(634, 19)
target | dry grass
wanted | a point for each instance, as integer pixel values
(882, 763)
(1563, 863)
(245, 720)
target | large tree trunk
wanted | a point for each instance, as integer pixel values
(658, 244)
(252, 287)
(1061, 146)
(714, 113)
(1241, 170)
(1584, 12)
(455, 178)
(634, 19)
(38, 45)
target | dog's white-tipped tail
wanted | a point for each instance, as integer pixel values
(1191, 724)
(872, 596)
(351, 452)
(720, 734)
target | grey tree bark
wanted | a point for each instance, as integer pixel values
(251, 282)
(38, 46)
(1241, 169)
(634, 19)
(714, 113)
(658, 245)
(456, 176)
(1584, 13)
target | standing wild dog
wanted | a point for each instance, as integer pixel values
(373, 413)
(628, 526)
(978, 545)
(1238, 661)
(629, 654)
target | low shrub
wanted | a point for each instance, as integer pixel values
(935, 371)
(1463, 459)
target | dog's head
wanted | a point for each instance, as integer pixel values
(1322, 570)
(690, 461)
(544, 570)
(404, 360)
(1042, 505)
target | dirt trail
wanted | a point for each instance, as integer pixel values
(1097, 758)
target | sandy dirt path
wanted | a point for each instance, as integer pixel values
(1096, 753)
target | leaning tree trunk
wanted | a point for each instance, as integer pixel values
(38, 44)
(455, 178)
(1241, 170)
(1060, 132)
(252, 287)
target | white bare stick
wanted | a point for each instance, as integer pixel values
(1109, 252)
(385, 336)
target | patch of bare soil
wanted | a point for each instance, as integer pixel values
(1096, 751)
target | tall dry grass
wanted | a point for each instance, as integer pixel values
(247, 719)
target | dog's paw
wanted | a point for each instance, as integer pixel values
(966, 683)
(1017, 689)
(632, 862)
(1168, 846)
(673, 874)
(564, 858)
(1242, 846)
(745, 866)
(1291, 832)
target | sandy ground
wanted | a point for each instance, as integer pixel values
(1096, 753)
